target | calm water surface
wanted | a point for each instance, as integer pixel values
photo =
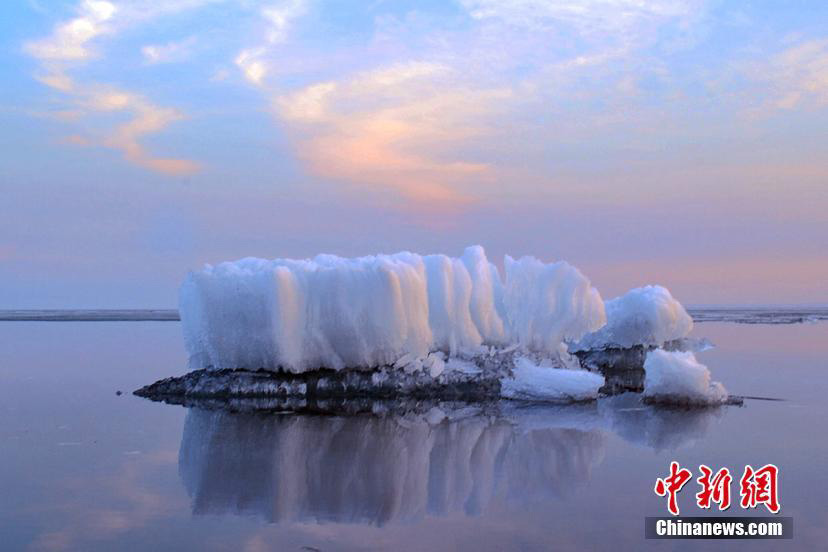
(83, 468)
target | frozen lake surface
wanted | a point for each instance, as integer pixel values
(84, 468)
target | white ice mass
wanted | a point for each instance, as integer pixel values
(433, 315)
(532, 381)
(647, 315)
(365, 312)
(677, 377)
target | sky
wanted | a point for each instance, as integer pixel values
(683, 143)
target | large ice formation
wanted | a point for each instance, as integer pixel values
(411, 325)
(332, 312)
(677, 377)
(648, 316)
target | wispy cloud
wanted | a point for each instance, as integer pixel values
(408, 127)
(586, 15)
(69, 40)
(395, 128)
(147, 118)
(280, 16)
(251, 64)
(252, 61)
(498, 85)
(70, 43)
(798, 75)
(170, 52)
(402, 126)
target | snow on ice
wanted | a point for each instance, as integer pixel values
(677, 377)
(647, 316)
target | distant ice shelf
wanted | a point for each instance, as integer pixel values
(88, 315)
(760, 315)
(737, 315)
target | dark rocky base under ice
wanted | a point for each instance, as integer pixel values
(353, 391)
(319, 385)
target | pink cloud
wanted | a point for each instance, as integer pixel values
(394, 129)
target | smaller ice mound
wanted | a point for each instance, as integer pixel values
(544, 382)
(676, 377)
(647, 316)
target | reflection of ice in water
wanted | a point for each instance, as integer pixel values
(376, 469)
(656, 427)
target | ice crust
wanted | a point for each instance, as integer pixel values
(333, 312)
(533, 381)
(676, 377)
(648, 316)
